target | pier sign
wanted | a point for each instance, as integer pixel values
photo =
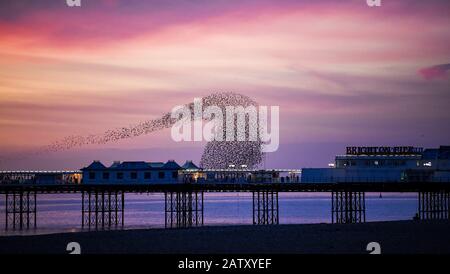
(400, 150)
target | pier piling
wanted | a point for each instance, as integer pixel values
(183, 209)
(434, 205)
(102, 209)
(348, 207)
(265, 207)
(20, 210)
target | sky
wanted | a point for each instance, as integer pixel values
(341, 72)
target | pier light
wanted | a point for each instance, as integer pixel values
(243, 166)
(331, 165)
(231, 166)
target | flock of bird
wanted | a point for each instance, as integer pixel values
(216, 154)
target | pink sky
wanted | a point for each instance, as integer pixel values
(341, 72)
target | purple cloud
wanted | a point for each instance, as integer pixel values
(435, 72)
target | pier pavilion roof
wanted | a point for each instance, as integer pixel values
(171, 164)
(189, 165)
(95, 165)
(135, 165)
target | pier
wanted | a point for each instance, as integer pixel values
(104, 205)
(102, 208)
(183, 209)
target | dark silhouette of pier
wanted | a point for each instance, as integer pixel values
(103, 205)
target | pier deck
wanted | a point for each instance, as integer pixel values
(230, 187)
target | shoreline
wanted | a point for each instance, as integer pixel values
(395, 237)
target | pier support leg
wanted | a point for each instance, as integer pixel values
(265, 207)
(183, 209)
(348, 207)
(102, 209)
(20, 210)
(434, 205)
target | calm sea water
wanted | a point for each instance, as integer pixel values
(62, 212)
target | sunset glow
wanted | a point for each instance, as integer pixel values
(340, 71)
